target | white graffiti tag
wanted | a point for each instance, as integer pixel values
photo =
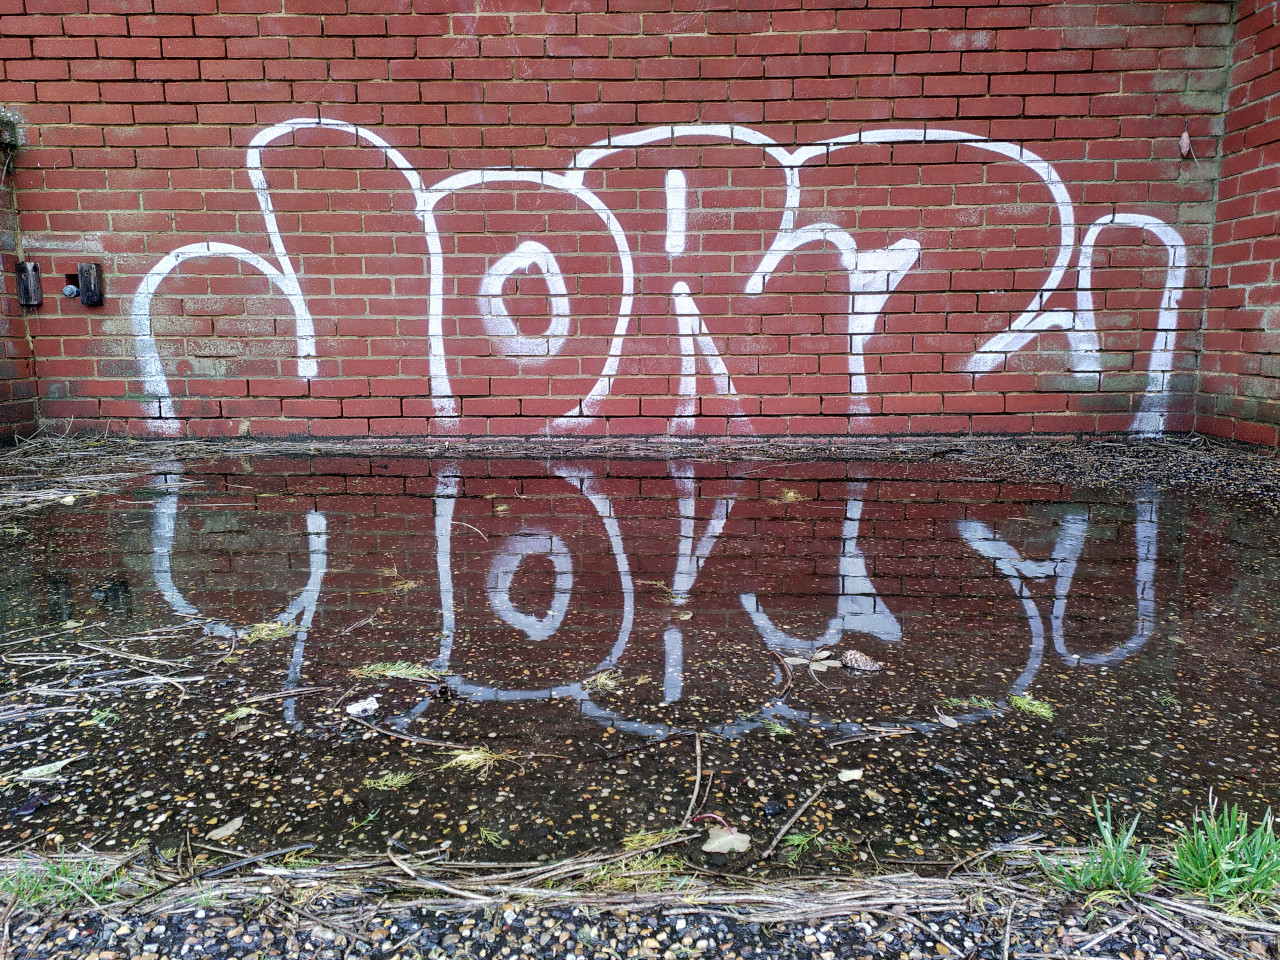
(871, 276)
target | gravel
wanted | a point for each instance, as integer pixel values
(1060, 929)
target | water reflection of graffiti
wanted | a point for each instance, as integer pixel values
(859, 609)
(503, 567)
(1061, 568)
(871, 276)
(862, 615)
(301, 611)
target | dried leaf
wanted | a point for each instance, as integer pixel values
(45, 770)
(218, 834)
(874, 796)
(822, 655)
(821, 665)
(797, 661)
(847, 775)
(945, 720)
(726, 840)
(32, 804)
(1184, 144)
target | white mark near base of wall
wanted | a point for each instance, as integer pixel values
(89, 243)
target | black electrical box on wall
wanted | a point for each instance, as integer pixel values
(92, 293)
(30, 293)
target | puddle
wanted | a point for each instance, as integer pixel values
(594, 624)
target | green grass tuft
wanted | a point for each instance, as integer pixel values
(798, 844)
(644, 839)
(1221, 858)
(50, 886)
(1037, 708)
(239, 713)
(104, 718)
(644, 873)
(392, 781)
(605, 682)
(1112, 863)
(775, 728)
(478, 760)
(976, 703)
(274, 630)
(399, 670)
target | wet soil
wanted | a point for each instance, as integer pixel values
(597, 625)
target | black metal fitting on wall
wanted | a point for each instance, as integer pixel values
(92, 289)
(30, 293)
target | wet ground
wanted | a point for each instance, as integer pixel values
(190, 648)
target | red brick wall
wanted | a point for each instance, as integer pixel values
(922, 277)
(1240, 373)
(17, 386)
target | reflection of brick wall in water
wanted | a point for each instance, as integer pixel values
(240, 555)
(711, 272)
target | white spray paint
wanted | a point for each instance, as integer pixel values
(498, 320)
(498, 586)
(859, 609)
(1146, 528)
(441, 387)
(872, 275)
(447, 494)
(689, 560)
(1061, 567)
(677, 207)
(284, 277)
(695, 338)
(1151, 420)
